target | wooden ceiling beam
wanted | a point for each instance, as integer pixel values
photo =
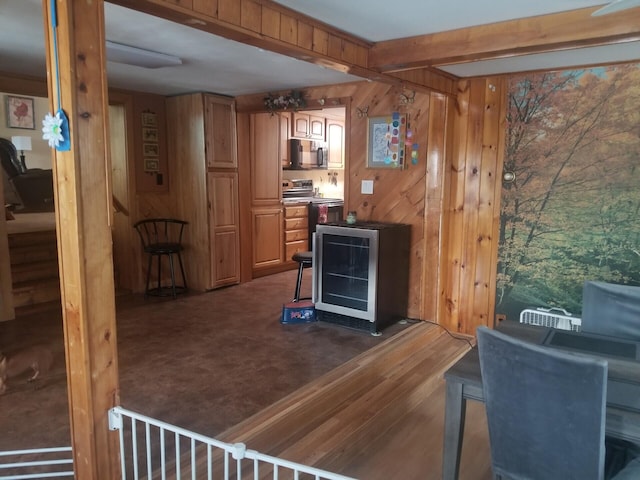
(270, 26)
(544, 33)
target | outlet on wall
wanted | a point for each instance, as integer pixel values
(367, 187)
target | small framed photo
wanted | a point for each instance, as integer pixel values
(149, 119)
(151, 165)
(149, 134)
(20, 112)
(150, 149)
(385, 148)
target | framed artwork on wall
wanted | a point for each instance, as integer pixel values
(20, 112)
(385, 145)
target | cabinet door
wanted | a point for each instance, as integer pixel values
(316, 128)
(267, 237)
(335, 143)
(285, 121)
(223, 228)
(300, 125)
(266, 170)
(308, 126)
(220, 132)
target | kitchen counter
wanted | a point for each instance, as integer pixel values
(291, 200)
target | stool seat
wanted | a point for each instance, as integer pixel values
(305, 260)
(304, 257)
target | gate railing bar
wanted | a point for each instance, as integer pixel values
(19, 468)
(230, 452)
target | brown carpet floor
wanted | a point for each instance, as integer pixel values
(204, 361)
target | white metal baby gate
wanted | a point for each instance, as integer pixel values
(36, 463)
(151, 448)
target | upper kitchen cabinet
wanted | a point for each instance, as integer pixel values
(305, 125)
(285, 122)
(220, 132)
(204, 186)
(336, 138)
(335, 143)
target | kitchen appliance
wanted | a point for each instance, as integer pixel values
(307, 155)
(297, 189)
(361, 274)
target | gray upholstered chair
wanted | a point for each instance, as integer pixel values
(611, 309)
(545, 410)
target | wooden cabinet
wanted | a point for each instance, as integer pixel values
(335, 143)
(305, 125)
(267, 236)
(285, 126)
(223, 228)
(266, 169)
(220, 132)
(204, 186)
(296, 230)
(266, 193)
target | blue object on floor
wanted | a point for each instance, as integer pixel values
(298, 312)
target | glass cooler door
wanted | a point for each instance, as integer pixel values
(345, 274)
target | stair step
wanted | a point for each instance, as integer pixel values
(31, 293)
(33, 253)
(32, 238)
(53, 307)
(29, 272)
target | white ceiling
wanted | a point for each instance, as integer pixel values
(214, 64)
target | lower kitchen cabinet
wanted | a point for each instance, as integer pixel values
(267, 237)
(296, 230)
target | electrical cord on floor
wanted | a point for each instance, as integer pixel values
(414, 320)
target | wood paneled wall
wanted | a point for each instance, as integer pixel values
(472, 206)
(450, 198)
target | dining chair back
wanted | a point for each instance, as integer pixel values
(611, 309)
(545, 409)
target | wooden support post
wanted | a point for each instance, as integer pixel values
(84, 237)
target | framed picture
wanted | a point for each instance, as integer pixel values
(151, 165)
(149, 134)
(385, 146)
(150, 149)
(20, 112)
(149, 119)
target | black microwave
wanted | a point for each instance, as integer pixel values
(307, 154)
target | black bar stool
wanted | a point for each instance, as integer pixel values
(305, 260)
(162, 237)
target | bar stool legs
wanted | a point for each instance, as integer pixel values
(305, 260)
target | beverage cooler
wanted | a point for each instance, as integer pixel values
(361, 274)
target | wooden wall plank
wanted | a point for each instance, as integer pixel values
(270, 22)
(436, 157)
(320, 41)
(208, 7)
(251, 15)
(305, 35)
(471, 200)
(229, 11)
(288, 29)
